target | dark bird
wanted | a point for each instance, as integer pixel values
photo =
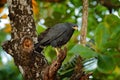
(55, 36)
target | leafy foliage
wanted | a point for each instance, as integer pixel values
(83, 51)
(103, 36)
(9, 72)
(106, 64)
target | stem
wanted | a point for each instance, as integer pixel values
(84, 22)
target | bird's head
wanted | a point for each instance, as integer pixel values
(73, 26)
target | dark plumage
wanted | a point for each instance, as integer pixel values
(56, 36)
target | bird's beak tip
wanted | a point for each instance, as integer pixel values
(75, 27)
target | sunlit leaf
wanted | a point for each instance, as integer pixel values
(106, 64)
(7, 28)
(39, 29)
(35, 8)
(4, 16)
(84, 52)
(119, 12)
(1, 9)
(50, 53)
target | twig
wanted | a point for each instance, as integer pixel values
(50, 72)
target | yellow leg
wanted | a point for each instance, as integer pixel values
(56, 49)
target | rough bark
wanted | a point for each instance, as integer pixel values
(32, 64)
(51, 71)
(23, 37)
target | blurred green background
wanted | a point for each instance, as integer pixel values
(101, 55)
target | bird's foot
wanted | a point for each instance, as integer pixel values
(57, 51)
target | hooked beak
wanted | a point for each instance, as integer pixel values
(75, 27)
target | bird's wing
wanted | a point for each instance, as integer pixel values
(52, 34)
(43, 34)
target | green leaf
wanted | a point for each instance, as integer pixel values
(50, 53)
(2, 36)
(76, 3)
(106, 64)
(100, 8)
(119, 12)
(111, 22)
(39, 29)
(84, 52)
(116, 55)
(101, 36)
(115, 32)
(111, 44)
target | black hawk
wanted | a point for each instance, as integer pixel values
(55, 36)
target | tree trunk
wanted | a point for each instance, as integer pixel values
(23, 36)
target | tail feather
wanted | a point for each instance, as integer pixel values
(38, 48)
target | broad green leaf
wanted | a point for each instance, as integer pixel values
(101, 36)
(115, 32)
(111, 22)
(116, 56)
(50, 53)
(107, 33)
(84, 52)
(106, 64)
(111, 44)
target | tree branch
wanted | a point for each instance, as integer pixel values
(51, 70)
(84, 22)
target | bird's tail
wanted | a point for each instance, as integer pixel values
(38, 48)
